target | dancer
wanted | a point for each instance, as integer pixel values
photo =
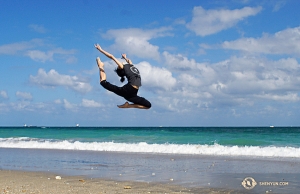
(128, 91)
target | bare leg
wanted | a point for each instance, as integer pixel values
(127, 105)
(101, 69)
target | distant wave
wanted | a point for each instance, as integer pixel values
(142, 147)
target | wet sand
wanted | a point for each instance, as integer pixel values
(38, 182)
(34, 171)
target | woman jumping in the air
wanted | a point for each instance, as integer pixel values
(128, 91)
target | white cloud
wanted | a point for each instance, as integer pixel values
(134, 41)
(71, 59)
(68, 105)
(184, 65)
(278, 5)
(29, 48)
(3, 94)
(24, 95)
(169, 103)
(3, 107)
(282, 42)
(206, 22)
(289, 97)
(179, 21)
(85, 103)
(54, 79)
(21, 106)
(190, 80)
(179, 61)
(38, 28)
(57, 101)
(42, 56)
(90, 103)
(156, 77)
(11, 49)
(238, 81)
(271, 77)
(250, 75)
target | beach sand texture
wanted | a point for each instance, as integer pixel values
(35, 171)
(15, 182)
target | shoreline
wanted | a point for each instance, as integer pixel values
(42, 182)
(160, 173)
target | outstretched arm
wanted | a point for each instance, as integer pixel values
(120, 65)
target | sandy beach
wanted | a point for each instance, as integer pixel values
(35, 171)
(38, 182)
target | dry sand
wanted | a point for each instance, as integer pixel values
(15, 182)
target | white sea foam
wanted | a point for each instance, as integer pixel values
(143, 147)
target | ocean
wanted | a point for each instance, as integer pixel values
(215, 141)
(213, 157)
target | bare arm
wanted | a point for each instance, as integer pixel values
(120, 65)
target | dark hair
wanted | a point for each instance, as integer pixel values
(121, 73)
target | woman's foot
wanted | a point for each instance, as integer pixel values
(125, 105)
(100, 64)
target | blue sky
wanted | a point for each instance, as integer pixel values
(203, 63)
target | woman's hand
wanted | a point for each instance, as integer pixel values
(97, 46)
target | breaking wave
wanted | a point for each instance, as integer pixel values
(143, 147)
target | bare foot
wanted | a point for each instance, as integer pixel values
(125, 105)
(99, 63)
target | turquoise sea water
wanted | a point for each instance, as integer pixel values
(251, 141)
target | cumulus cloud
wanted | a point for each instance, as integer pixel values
(76, 107)
(54, 79)
(24, 95)
(134, 41)
(21, 106)
(178, 62)
(90, 103)
(282, 42)
(68, 105)
(43, 56)
(85, 103)
(289, 97)
(249, 76)
(156, 77)
(207, 22)
(3, 94)
(169, 103)
(236, 81)
(11, 49)
(30, 49)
